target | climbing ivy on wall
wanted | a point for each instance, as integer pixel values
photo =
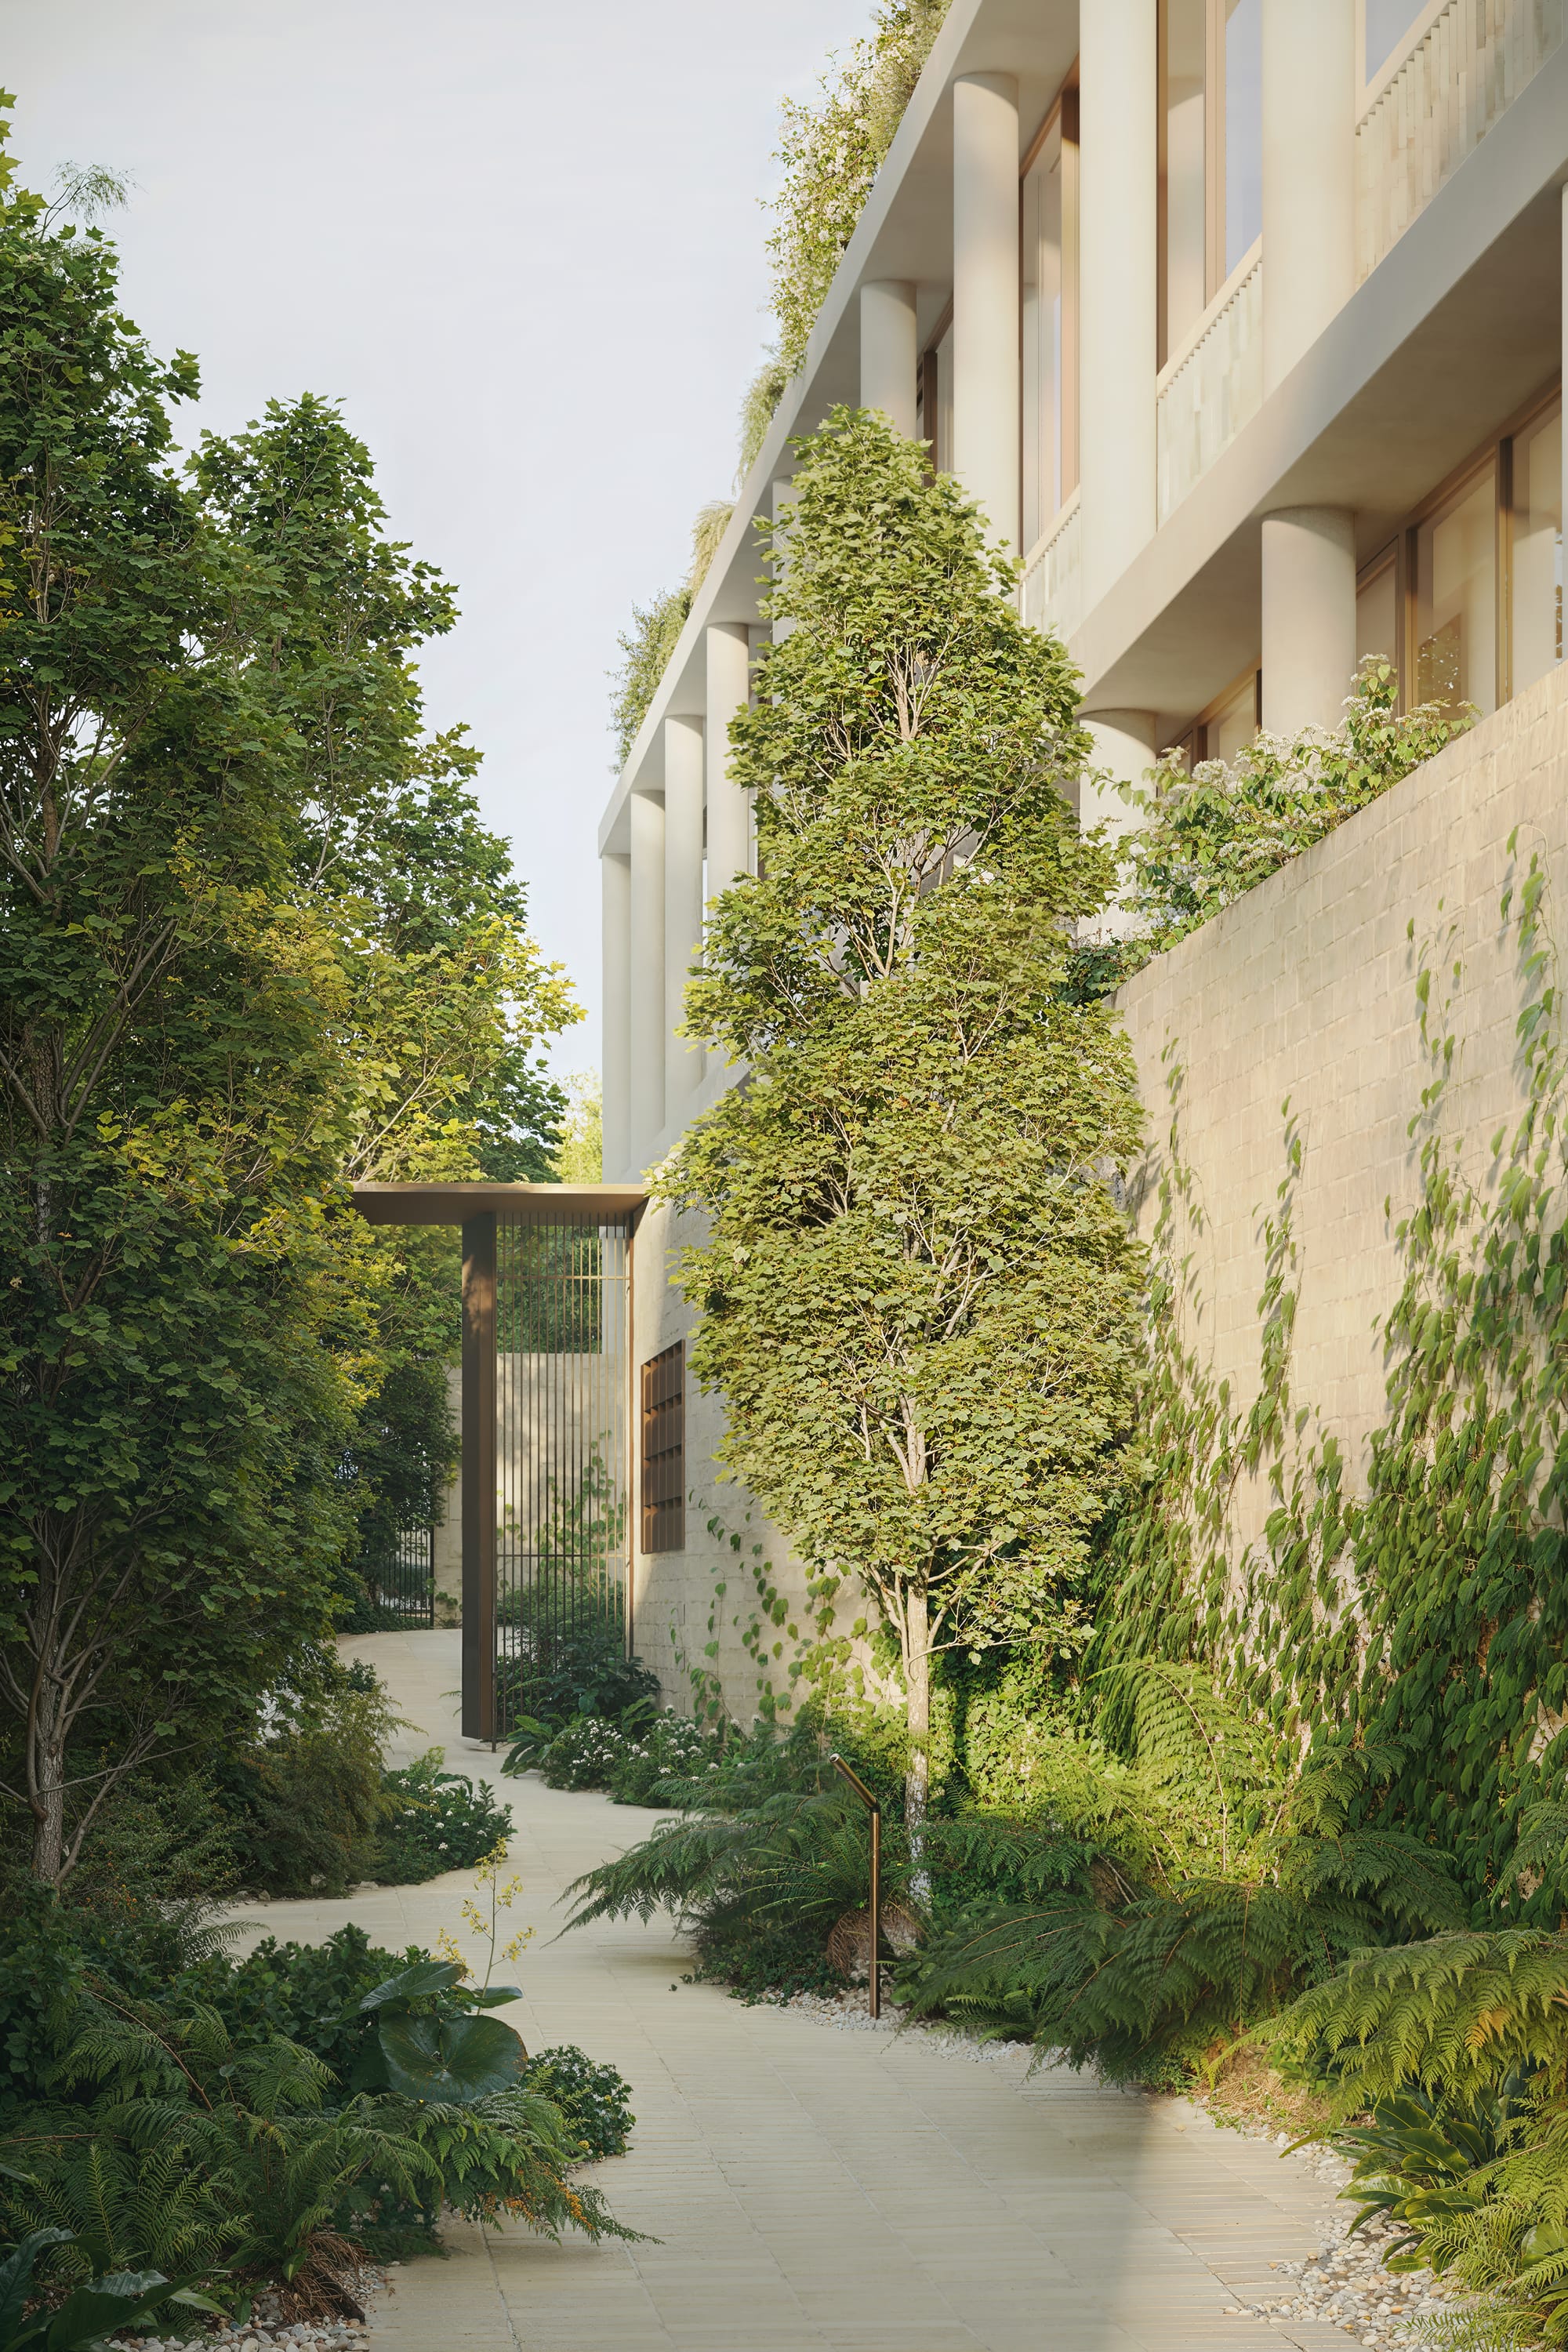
(1426, 1616)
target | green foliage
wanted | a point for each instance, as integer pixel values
(253, 942)
(125, 2299)
(763, 396)
(593, 2101)
(1178, 1898)
(307, 1793)
(264, 2117)
(576, 1677)
(917, 1295)
(1424, 1616)
(830, 151)
(438, 1821)
(581, 1156)
(1202, 840)
(767, 1857)
(646, 647)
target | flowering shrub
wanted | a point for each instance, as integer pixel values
(629, 1760)
(440, 1821)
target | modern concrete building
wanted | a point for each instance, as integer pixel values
(1242, 320)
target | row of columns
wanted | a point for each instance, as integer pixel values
(654, 895)
(690, 842)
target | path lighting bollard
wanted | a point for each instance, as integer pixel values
(874, 1810)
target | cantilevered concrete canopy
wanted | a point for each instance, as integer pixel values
(589, 1353)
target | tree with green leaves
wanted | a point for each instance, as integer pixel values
(253, 942)
(917, 1295)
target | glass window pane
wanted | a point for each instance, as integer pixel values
(1243, 128)
(1455, 613)
(1536, 550)
(1234, 723)
(1388, 22)
(1043, 288)
(1377, 618)
(1185, 216)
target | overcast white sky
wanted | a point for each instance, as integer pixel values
(521, 240)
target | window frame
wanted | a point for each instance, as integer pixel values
(1495, 454)
(1063, 113)
(661, 1515)
(1217, 276)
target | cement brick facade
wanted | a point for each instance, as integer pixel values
(1305, 992)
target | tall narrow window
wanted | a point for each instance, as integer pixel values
(1456, 600)
(933, 398)
(1184, 172)
(1377, 613)
(1243, 200)
(1537, 587)
(1049, 248)
(663, 1483)
(1211, 154)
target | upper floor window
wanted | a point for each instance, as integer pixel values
(1211, 153)
(1049, 248)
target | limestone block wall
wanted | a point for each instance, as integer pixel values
(678, 1607)
(1305, 992)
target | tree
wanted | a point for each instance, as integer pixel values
(253, 942)
(917, 1295)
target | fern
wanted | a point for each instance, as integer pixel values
(1452, 2015)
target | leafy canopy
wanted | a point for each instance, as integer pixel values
(917, 1293)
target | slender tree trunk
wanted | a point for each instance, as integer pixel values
(47, 1779)
(917, 1777)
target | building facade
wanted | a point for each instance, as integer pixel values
(1243, 322)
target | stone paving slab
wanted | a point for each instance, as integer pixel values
(810, 2189)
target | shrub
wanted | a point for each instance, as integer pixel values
(593, 2101)
(573, 1675)
(1182, 1897)
(438, 1821)
(307, 1795)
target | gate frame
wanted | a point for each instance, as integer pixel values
(475, 1208)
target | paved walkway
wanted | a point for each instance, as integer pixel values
(814, 2189)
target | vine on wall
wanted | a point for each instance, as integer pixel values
(1428, 1615)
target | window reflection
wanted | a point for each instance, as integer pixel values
(1235, 722)
(1537, 584)
(1183, 179)
(1050, 326)
(1455, 609)
(1243, 128)
(1377, 617)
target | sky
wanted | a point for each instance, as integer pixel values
(522, 243)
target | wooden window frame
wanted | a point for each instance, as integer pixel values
(1214, 271)
(1495, 454)
(661, 1451)
(1193, 737)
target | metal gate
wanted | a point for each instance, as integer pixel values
(401, 1585)
(546, 1519)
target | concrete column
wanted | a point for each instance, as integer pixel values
(615, 885)
(646, 978)
(1309, 174)
(682, 906)
(1118, 243)
(1123, 748)
(1309, 618)
(729, 668)
(890, 354)
(985, 299)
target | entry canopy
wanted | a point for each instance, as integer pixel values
(453, 1204)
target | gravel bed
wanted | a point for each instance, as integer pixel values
(1345, 2285)
(266, 2332)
